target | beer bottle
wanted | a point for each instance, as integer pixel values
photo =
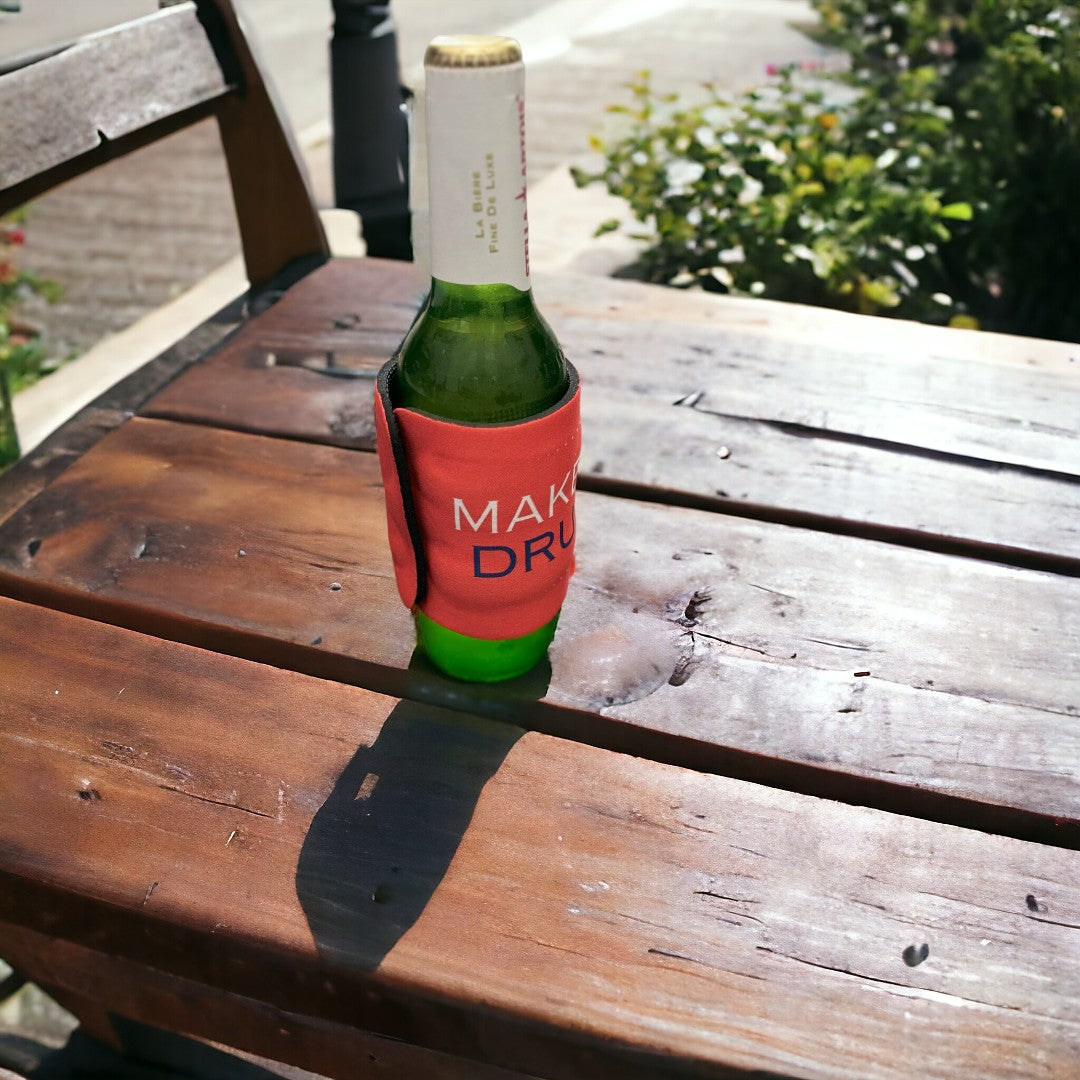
(479, 353)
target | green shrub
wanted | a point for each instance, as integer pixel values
(779, 195)
(938, 184)
(22, 356)
(1009, 72)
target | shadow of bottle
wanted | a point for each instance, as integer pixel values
(379, 846)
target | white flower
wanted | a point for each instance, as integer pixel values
(757, 287)
(730, 138)
(730, 168)
(905, 275)
(887, 158)
(771, 152)
(888, 127)
(722, 274)
(801, 251)
(914, 253)
(693, 216)
(706, 136)
(942, 298)
(732, 255)
(913, 162)
(682, 174)
(639, 157)
(751, 191)
(811, 222)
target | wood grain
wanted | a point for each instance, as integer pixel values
(275, 207)
(861, 659)
(583, 914)
(63, 108)
(764, 421)
(124, 88)
(33, 472)
(992, 396)
(193, 1008)
(287, 371)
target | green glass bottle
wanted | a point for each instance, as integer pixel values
(479, 351)
(9, 437)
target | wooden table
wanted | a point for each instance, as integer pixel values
(828, 828)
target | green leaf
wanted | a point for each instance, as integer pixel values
(879, 293)
(606, 226)
(958, 211)
(580, 177)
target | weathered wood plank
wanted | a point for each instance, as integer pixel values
(275, 207)
(24, 479)
(776, 472)
(67, 106)
(124, 88)
(983, 395)
(193, 1008)
(991, 396)
(508, 897)
(688, 405)
(287, 370)
(172, 513)
(744, 634)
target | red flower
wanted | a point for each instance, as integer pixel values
(15, 236)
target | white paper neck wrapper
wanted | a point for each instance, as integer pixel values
(476, 175)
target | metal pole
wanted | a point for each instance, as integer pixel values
(371, 136)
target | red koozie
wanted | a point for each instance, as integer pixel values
(481, 516)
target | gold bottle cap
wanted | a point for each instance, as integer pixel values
(471, 51)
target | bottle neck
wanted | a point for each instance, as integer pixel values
(495, 300)
(476, 176)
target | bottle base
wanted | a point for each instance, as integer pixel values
(477, 659)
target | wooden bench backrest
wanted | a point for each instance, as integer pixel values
(113, 92)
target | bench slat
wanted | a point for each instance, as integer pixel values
(736, 444)
(986, 396)
(506, 896)
(277, 550)
(122, 89)
(231, 1020)
(72, 104)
